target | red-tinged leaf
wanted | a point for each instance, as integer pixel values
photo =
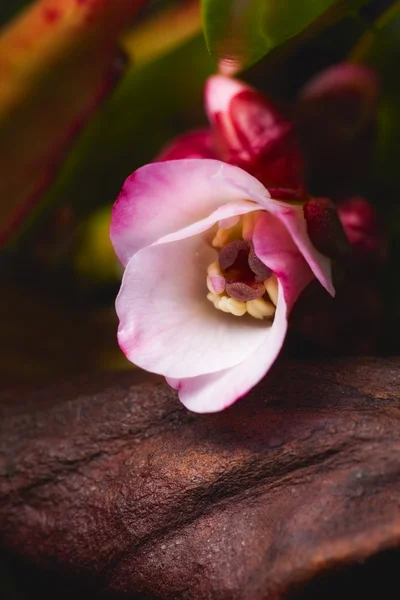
(57, 61)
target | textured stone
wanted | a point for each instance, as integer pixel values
(109, 482)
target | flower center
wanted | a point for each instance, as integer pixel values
(239, 282)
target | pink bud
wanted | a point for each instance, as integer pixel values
(336, 114)
(193, 144)
(252, 133)
(364, 230)
(325, 229)
(347, 93)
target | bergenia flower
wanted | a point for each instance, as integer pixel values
(213, 267)
(248, 131)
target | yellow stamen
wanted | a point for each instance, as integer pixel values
(260, 308)
(214, 269)
(214, 298)
(221, 238)
(271, 285)
(228, 305)
(224, 236)
(248, 224)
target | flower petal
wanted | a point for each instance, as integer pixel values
(218, 93)
(226, 211)
(167, 325)
(216, 391)
(274, 245)
(161, 198)
(244, 119)
(194, 144)
(251, 133)
(292, 216)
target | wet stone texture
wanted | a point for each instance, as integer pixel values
(108, 484)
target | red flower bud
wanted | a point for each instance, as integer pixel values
(364, 230)
(335, 115)
(253, 134)
(325, 229)
(194, 144)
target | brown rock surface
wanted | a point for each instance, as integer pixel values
(109, 482)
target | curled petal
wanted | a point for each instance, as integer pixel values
(275, 246)
(216, 391)
(167, 325)
(194, 144)
(164, 197)
(292, 216)
(226, 211)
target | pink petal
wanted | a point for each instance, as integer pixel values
(218, 93)
(224, 212)
(216, 391)
(194, 144)
(161, 198)
(292, 216)
(274, 245)
(254, 135)
(246, 121)
(167, 325)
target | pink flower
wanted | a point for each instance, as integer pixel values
(213, 267)
(248, 131)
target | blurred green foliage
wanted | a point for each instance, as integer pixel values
(380, 48)
(57, 63)
(9, 8)
(240, 33)
(154, 102)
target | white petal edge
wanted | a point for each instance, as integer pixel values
(162, 198)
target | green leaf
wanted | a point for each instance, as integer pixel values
(239, 33)
(154, 102)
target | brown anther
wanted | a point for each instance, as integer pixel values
(244, 292)
(261, 271)
(230, 252)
